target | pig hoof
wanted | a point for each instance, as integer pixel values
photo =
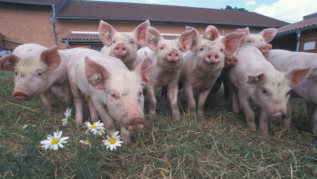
(252, 127)
(177, 116)
(152, 112)
(201, 115)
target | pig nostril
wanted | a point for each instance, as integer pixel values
(117, 48)
(209, 56)
(123, 49)
(216, 56)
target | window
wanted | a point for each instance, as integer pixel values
(310, 45)
(97, 47)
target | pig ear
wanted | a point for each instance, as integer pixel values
(106, 32)
(144, 69)
(189, 39)
(268, 34)
(188, 27)
(232, 42)
(95, 73)
(152, 38)
(192, 40)
(312, 75)
(8, 62)
(297, 76)
(140, 32)
(246, 30)
(51, 58)
(211, 33)
(256, 78)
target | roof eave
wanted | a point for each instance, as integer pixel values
(81, 41)
(280, 34)
(159, 20)
(26, 3)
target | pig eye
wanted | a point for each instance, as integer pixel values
(162, 47)
(264, 91)
(201, 49)
(249, 41)
(288, 93)
(16, 73)
(38, 73)
(140, 93)
(221, 50)
(114, 41)
(114, 95)
(131, 42)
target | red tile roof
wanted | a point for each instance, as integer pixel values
(163, 13)
(304, 24)
(32, 2)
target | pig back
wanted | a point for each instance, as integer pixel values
(77, 71)
(287, 61)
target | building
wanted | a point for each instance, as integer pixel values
(72, 23)
(299, 36)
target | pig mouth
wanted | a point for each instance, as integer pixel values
(278, 115)
(21, 95)
(135, 124)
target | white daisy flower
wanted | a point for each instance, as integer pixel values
(113, 142)
(85, 142)
(55, 141)
(68, 114)
(96, 128)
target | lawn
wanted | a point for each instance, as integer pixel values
(217, 146)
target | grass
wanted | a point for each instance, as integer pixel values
(218, 146)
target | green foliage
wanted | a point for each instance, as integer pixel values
(218, 146)
(234, 8)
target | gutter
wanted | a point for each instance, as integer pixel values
(53, 23)
(25, 2)
(159, 20)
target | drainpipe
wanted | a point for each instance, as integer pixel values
(53, 23)
(67, 44)
(298, 34)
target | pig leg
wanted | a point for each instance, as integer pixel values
(235, 102)
(310, 110)
(92, 110)
(172, 95)
(151, 98)
(287, 120)
(263, 122)
(190, 98)
(46, 98)
(201, 102)
(125, 135)
(249, 114)
(78, 102)
(105, 117)
(314, 120)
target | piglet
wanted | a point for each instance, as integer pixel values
(38, 69)
(115, 91)
(254, 77)
(287, 61)
(167, 61)
(203, 66)
(122, 45)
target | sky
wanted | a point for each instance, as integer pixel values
(286, 10)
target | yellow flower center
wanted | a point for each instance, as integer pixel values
(55, 141)
(93, 126)
(85, 142)
(112, 140)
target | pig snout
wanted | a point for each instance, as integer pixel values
(231, 60)
(266, 49)
(173, 56)
(279, 115)
(20, 94)
(120, 50)
(212, 57)
(135, 124)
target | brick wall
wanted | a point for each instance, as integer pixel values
(26, 24)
